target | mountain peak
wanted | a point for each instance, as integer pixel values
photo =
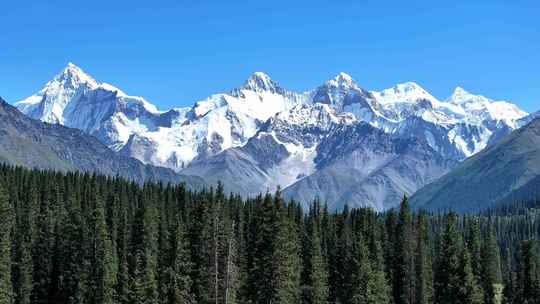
(405, 88)
(260, 82)
(408, 91)
(342, 79)
(260, 75)
(73, 76)
(460, 95)
(408, 86)
(459, 91)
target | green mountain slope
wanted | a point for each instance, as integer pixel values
(509, 170)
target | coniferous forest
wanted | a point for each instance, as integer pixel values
(80, 238)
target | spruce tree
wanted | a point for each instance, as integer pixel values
(404, 257)
(424, 271)
(285, 257)
(379, 278)
(470, 292)
(181, 291)
(317, 272)
(143, 250)
(42, 251)
(261, 239)
(528, 274)
(6, 227)
(368, 283)
(104, 276)
(455, 282)
(474, 245)
(207, 250)
(230, 260)
(509, 278)
(73, 282)
(491, 278)
(164, 266)
(24, 233)
(122, 275)
(343, 271)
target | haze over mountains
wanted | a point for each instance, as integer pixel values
(339, 142)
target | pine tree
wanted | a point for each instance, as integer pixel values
(23, 272)
(285, 257)
(343, 272)
(137, 285)
(491, 277)
(454, 282)
(404, 258)
(261, 239)
(182, 268)
(424, 273)
(474, 245)
(369, 283)
(122, 276)
(317, 272)
(73, 282)
(42, 253)
(207, 250)
(528, 275)
(231, 276)
(6, 226)
(381, 288)
(509, 279)
(104, 276)
(471, 292)
(143, 247)
(165, 270)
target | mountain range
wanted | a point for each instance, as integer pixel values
(338, 142)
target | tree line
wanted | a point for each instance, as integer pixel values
(81, 238)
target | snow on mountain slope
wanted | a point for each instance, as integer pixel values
(480, 108)
(410, 99)
(219, 122)
(461, 126)
(466, 122)
(76, 100)
(136, 128)
(281, 153)
(300, 131)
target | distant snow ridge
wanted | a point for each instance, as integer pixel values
(261, 117)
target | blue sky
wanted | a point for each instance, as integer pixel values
(177, 52)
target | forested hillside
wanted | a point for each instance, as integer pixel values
(80, 238)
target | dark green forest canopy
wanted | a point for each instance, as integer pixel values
(81, 238)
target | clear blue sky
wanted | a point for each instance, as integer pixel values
(177, 52)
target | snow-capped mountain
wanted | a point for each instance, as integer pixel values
(76, 100)
(136, 128)
(261, 135)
